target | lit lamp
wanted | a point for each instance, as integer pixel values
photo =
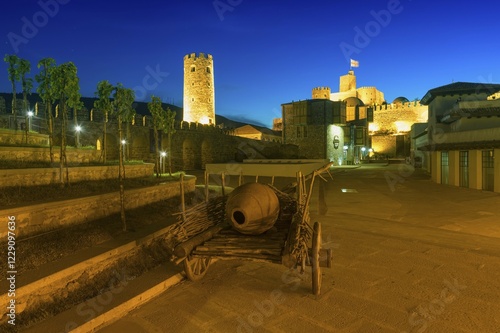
(30, 114)
(162, 161)
(123, 149)
(363, 149)
(78, 129)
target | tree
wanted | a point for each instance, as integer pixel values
(122, 107)
(170, 130)
(75, 103)
(14, 76)
(46, 93)
(64, 80)
(159, 119)
(103, 103)
(27, 86)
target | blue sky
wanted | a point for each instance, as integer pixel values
(265, 52)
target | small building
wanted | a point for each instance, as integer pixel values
(316, 127)
(257, 133)
(463, 135)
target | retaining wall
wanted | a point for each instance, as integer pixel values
(51, 215)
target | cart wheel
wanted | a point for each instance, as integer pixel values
(196, 268)
(316, 270)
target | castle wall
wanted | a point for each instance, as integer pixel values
(199, 92)
(397, 118)
(193, 144)
(370, 95)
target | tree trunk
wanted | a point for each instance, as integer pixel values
(170, 153)
(157, 164)
(62, 151)
(14, 104)
(105, 125)
(121, 175)
(51, 131)
(26, 120)
(129, 141)
(77, 133)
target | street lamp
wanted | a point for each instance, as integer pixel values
(363, 149)
(162, 161)
(30, 114)
(123, 149)
(78, 129)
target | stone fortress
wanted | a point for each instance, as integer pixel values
(371, 127)
(197, 140)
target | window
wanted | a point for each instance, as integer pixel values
(488, 168)
(192, 99)
(193, 69)
(444, 167)
(463, 169)
(208, 70)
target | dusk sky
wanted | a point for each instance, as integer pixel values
(265, 52)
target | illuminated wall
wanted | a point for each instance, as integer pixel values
(199, 92)
(335, 144)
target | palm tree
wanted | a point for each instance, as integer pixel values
(103, 103)
(45, 91)
(14, 76)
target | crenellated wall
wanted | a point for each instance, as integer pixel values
(397, 118)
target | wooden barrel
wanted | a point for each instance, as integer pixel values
(252, 208)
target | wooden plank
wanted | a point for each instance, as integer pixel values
(205, 249)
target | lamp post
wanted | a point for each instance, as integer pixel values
(123, 143)
(162, 161)
(78, 129)
(30, 114)
(363, 150)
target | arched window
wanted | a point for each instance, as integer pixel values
(193, 69)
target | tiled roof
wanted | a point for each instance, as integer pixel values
(460, 88)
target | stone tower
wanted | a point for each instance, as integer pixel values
(199, 93)
(321, 93)
(348, 82)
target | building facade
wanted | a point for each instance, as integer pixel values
(315, 126)
(462, 138)
(199, 90)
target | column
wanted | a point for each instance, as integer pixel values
(475, 169)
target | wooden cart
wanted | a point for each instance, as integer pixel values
(293, 241)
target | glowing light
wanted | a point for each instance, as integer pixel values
(346, 147)
(78, 128)
(163, 154)
(124, 142)
(402, 126)
(363, 149)
(372, 127)
(30, 114)
(204, 120)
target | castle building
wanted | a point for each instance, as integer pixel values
(460, 142)
(199, 90)
(372, 128)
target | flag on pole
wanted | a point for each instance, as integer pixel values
(354, 63)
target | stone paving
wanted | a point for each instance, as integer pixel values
(409, 256)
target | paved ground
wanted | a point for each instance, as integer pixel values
(409, 256)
